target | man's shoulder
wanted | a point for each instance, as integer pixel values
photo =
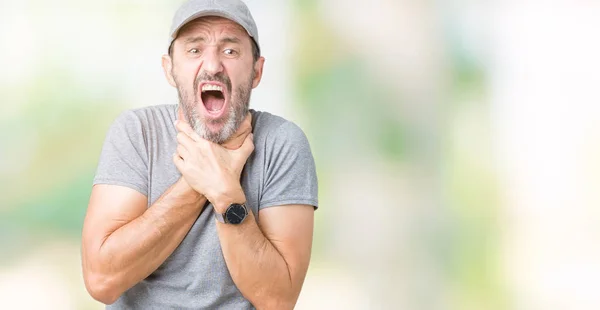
(148, 113)
(147, 117)
(266, 121)
(277, 131)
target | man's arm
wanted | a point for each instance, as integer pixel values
(268, 261)
(124, 241)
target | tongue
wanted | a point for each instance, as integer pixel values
(213, 101)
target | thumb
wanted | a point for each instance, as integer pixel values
(187, 129)
(247, 147)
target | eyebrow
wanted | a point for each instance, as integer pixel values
(194, 39)
(234, 40)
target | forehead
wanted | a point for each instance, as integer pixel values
(212, 25)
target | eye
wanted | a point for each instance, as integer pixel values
(230, 52)
(194, 51)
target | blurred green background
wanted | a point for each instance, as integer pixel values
(457, 143)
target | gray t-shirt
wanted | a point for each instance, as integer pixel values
(137, 153)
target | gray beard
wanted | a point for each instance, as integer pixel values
(238, 109)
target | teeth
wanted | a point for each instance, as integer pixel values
(208, 87)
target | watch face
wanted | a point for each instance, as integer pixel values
(235, 214)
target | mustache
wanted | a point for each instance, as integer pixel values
(219, 77)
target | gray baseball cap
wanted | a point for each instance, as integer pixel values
(234, 10)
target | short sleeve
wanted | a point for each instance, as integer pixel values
(124, 157)
(290, 174)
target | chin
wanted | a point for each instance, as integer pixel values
(216, 132)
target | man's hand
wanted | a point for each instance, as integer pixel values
(189, 192)
(209, 168)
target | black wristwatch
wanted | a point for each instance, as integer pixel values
(235, 214)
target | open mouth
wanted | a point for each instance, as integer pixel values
(213, 98)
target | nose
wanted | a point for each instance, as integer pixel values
(212, 61)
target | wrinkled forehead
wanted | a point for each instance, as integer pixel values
(210, 24)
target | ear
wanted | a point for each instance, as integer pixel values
(167, 64)
(258, 70)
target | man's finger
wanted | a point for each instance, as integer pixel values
(185, 140)
(239, 135)
(178, 161)
(182, 151)
(248, 147)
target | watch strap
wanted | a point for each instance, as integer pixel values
(219, 217)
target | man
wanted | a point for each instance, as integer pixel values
(205, 204)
